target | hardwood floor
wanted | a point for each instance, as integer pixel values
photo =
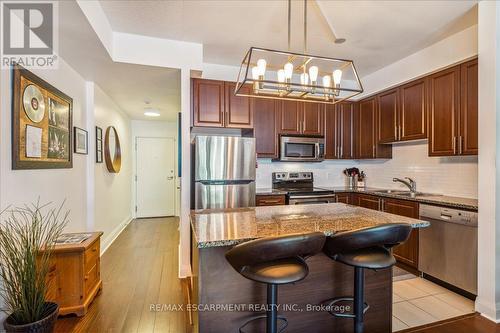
(474, 323)
(138, 270)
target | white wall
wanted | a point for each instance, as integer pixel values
(113, 191)
(156, 129)
(455, 176)
(19, 187)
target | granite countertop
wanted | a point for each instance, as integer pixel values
(225, 227)
(433, 199)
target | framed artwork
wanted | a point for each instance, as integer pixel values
(98, 144)
(81, 141)
(42, 119)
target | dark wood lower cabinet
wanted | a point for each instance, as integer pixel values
(406, 253)
(270, 200)
(344, 198)
(367, 201)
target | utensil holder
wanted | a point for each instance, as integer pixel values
(352, 182)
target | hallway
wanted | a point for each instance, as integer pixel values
(138, 270)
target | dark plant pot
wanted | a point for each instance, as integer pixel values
(45, 325)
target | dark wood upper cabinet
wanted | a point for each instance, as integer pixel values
(407, 252)
(290, 117)
(239, 111)
(413, 111)
(331, 131)
(208, 103)
(265, 121)
(366, 128)
(301, 118)
(388, 109)
(346, 131)
(444, 106)
(313, 118)
(468, 136)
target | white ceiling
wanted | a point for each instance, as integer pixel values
(128, 85)
(378, 33)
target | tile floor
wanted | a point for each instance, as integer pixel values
(417, 301)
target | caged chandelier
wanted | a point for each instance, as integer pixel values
(287, 75)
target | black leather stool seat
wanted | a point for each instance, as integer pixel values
(373, 258)
(275, 260)
(280, 271)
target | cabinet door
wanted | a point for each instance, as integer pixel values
(239, 111)
(265, 120)
(407, 252)
(368, 201)
(388, 108)
(313, 118)
(290, 117)
(345, 128)
(444, 99)
(468, 140)
(331, 131)
(413, 111)
(344, 198)
(366, 129)
(208, 103)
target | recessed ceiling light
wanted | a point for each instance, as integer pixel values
(150, 112)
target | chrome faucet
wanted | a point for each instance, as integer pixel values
(412, 185)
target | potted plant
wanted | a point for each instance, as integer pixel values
(27, 238)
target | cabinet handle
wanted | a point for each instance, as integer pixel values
(454, 144)
(460, 145)
(399, 132)
(341, 151)
(374, 154)
(396, 131)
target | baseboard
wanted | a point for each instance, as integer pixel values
(487, 309)
(108, 240)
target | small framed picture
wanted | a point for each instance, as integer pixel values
(81, 141)
(98, 144)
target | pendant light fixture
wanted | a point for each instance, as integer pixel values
(294, 76)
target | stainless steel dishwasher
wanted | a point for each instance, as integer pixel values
(448, 247)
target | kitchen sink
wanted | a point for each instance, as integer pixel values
(398, 192)
(403, 193)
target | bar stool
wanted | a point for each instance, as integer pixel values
(364, 248)
(275, 261)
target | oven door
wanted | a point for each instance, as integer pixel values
(301, 149)
(311, 199)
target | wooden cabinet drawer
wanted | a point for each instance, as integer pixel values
(269, 200)
(92, 276)
(91, 255)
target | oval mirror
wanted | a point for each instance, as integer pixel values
(112, 151)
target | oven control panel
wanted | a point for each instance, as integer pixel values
(292, 176)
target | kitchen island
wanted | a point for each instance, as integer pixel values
(225, 299)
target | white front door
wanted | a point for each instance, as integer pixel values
(155, 178)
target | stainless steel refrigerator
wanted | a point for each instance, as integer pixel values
(224, 172)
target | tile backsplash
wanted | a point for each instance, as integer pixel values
(455, 176)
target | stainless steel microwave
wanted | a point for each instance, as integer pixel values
(302, 148)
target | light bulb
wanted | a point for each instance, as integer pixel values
(304, 79)
(281, 76)
(255, 73)
(288, 70)
(337, 76)
(313, 73)
(326, 81)
(261, 64)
